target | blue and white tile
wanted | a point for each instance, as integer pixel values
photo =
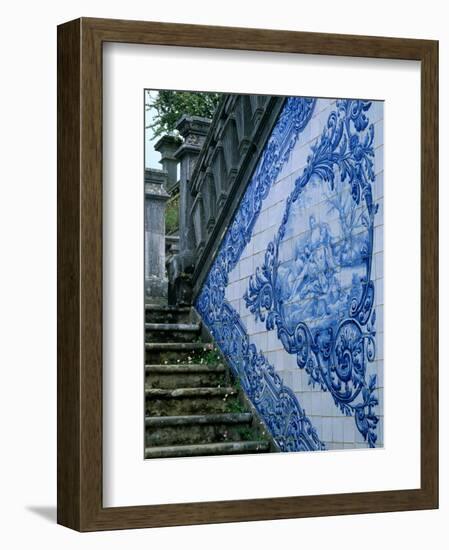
(273, 205)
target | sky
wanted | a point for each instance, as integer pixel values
(152, 157)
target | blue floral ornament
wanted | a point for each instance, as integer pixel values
(335, 353)
(276, 404)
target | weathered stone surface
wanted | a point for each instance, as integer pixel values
(171, 247)
(188, 392)
(198, 429)
(167, 146)
(160, 356)
(239, 447)
(173, 327)
(239, 131)
(200, 419)
(156, 282)
(157, 313)
(189, 404)
(216, 161)
(190, 396)
(185, 368)
(179, 346)
(185, 379)
(164, 332)
(193, 129)
(186, 376)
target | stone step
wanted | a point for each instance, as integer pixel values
(157, 353)
(185, 376)
(166, 308)
(198, 419)
(162, 393)
(187, 401)
(179, 346)
(196, 429)
(232, 447)
(185, 368)
(167, 314)
(173, 327)
(171, 332)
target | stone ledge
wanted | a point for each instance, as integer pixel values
(167, 308)
(185, 369)
(157, 393)
(238, 447)
(178, 346)
(198, 419)
(175, 327)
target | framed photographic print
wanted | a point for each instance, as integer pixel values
(247, 290)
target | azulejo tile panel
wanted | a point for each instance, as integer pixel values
(292, 297)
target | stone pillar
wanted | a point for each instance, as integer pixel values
(156, 282)
(167, 146)
(194, 130)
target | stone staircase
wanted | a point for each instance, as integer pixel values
(193, 406)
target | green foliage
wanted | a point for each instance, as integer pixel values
(246, 434)
(170, 106)
(234, 406)
(210, 357)
(172, 215)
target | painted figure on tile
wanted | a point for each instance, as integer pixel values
(316, 268)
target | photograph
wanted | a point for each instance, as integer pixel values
(263, 258)
(204, 220)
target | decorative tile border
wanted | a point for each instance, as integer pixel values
(276, 403)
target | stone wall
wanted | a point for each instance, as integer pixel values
(156, 196)
(294, 296)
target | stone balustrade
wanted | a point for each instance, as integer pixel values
(227, 159)
(193, 130)
(216, 160)
(167, 146)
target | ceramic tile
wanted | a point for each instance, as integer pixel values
(304, 275)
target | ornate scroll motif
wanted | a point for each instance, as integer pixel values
(277, 404)
(293, 119)
(321, 301)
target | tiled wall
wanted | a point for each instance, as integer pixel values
(303, 282)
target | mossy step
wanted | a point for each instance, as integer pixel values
(171, 332)
(197, 434)
(187, 401)
(186, 376)
(170, 314)
(196, 429)
(167, 308)
(178, 346)
(207, 449)
(170, 393)
(173, 327)
(185, 368)
(188, 420)
(159, 353)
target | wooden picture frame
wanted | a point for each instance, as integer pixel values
(80, 351)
